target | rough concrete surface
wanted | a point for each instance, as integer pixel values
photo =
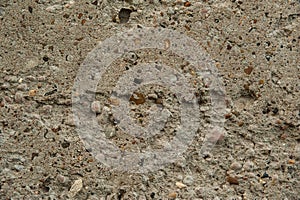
(256, 49)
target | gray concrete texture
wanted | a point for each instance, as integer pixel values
(256, 49)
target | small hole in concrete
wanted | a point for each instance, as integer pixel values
(124, 15)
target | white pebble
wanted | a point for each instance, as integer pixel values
(54, 8)
(188, 180)
(249, 166)
(22, 87)
(75, 188)
(19, 97)
(96, 107)
(5, 86)
(180, 185)
(235, 166)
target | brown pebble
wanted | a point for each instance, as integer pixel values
(232, 180)
(172, 195)
(2, 103)
(159, 101)
(291, 161)
(248, 70)
(32, 93)
(114, 102)
(247, 87)
(261, 82)
(283, 136)
(137, 98)
(8, 99)
(167, 44)
(187, 4)
(228, 115)
(240, 123)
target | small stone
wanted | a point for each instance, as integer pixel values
(275, 178)
(31, 78)
(265, 175)
(297, 152)
(250, 152)
(261, 82)
(248, 166)
(216, 135)
(54, 8)
(240, 123)
(69, 4)
(70, 121)
(2, 11)
(13, 79)
(19, 97)
(137, 98)
(204, 108)
(5, 86)
(172, 195)
(69, 58)
(41, 78)
(60, 178)
(8, 99)
(235, 166)
(180, 177)
(275, 165)
(32, 93)
(159, 101)
(170, 11)
(188, 180)
(228, 115)
(232, 180)
(22, 87)
(131, 57)
(53, 68)
(180, 185)
(114, 101)
(75, 188)
(167, 45)
(291, 161)
(46, 109)
(96, 107)
(31, 63)
(152, 96)
(2, 102)
(248, 70)
(18, 167)
(187, 4)
(172, 78)
(110, 132)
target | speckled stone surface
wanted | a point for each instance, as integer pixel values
(256, 47)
